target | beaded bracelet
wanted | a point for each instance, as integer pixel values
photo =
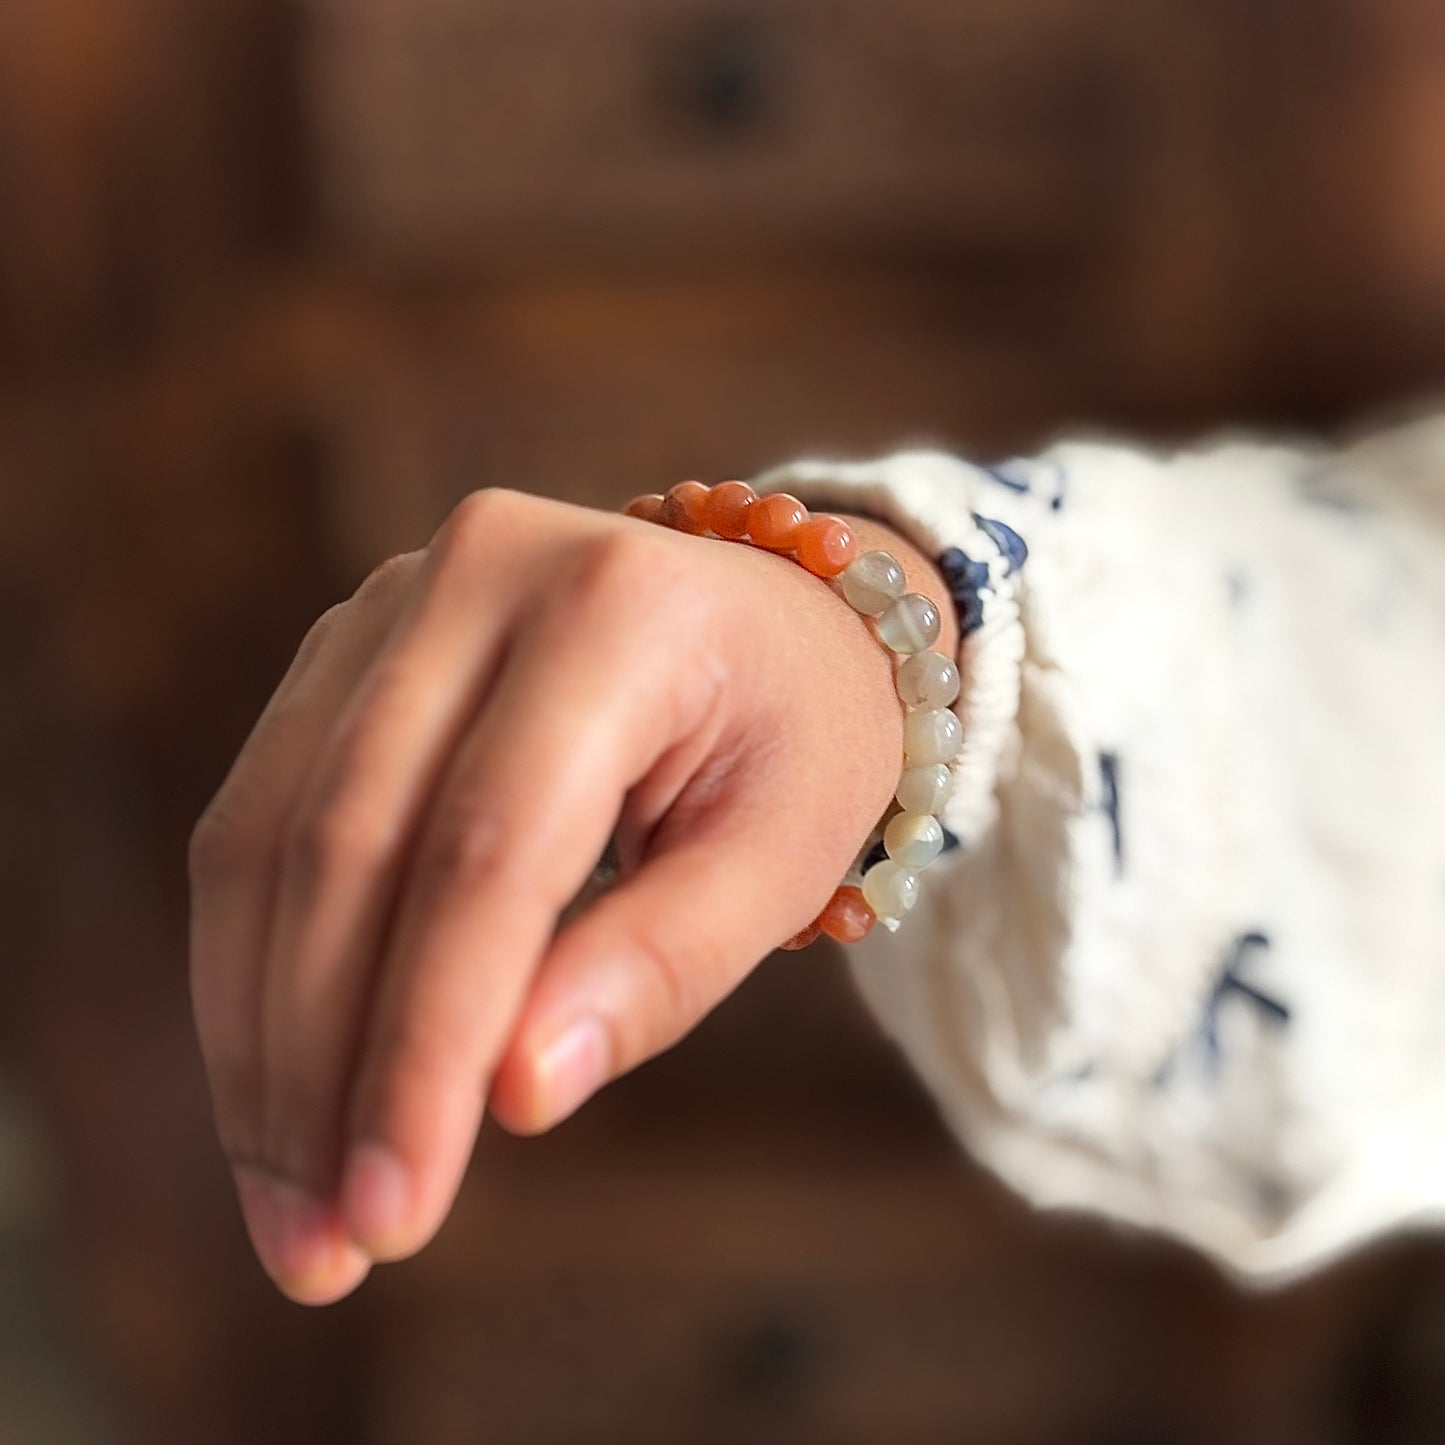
(907, 624)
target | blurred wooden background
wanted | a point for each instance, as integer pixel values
(279, 280)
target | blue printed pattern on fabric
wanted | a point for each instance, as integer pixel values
(1229, 984)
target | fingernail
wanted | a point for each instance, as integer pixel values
(376, 1200)
(298, 1239)
(573, 1067)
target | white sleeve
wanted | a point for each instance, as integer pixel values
(1186, 963)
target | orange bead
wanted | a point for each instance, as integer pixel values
(825, 545)
(846, 916)
(645, 507)
(682, 507)
(774, 521)
(727, 508)
(802, 938)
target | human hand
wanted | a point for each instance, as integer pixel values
(375, 955)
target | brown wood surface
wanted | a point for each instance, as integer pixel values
(281, 281)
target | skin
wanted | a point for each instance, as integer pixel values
(375, 951)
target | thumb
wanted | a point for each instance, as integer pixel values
(644, 964)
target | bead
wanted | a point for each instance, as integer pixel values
(846, 916)
(913, 839)
(682, 508)
(924, 789)
(825, 545)
(934, 736)
(927, 679)
(774, 521)
(645, 507)
(890, 888)
(910, 624)
(802, 938)
(873, 582)
(726, 511)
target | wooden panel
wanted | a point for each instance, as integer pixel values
(449, 127)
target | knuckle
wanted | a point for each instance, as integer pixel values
(319, 631)
(617, 566)
(296, 1139)
(468, 843)
(236, 1104)
(332, 842)
(218, 847)
(474, 521)
(678, 978)
(387, 576)
(423, 1052)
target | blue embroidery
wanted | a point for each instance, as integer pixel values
(1011, 474)
(966, 581)
(1274, 1012)
(1057, 501)
(1315, 490)
(1014, 548)
(959, 571)
(1109, 777)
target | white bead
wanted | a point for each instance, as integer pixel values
(872, 582)
(913, 839)
(928, 679)
(924, 789)
(910, 624)
(890, 889)
(932, 737)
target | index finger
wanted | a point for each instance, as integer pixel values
(580, 713)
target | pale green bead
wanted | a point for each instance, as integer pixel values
(927, 679)
(934, 736)
(872, 582)
(924, 789)
(910, 624)
(913, 839)
(890, 889)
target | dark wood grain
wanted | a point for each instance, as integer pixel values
(279, 282)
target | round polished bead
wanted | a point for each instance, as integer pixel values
(925, 788)
(825, 545)
(913, 839)
(726, 512)
(928, 679)
(934, 736)
(682, 507)
(890, 889)
(774, 521)
(645, 507)
(910, 624)
(847, 916)
(802, 938)
(873, 582)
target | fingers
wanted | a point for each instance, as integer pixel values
(641, 967)
(232, 862)
(516, 825)
(340, 862)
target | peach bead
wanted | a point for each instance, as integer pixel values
(825, 545)
(774, 521)
(847, 916)
(802, 938)
(728, 505)
(682, 507)
(645, 507)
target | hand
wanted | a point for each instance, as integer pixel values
(376, 888)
